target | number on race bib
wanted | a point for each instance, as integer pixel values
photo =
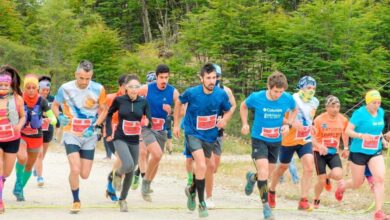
(45, 124)
(206, 122)
(330, 142)
(371, 145)
(131, 127)
(80, 125)
(30, 131)
(271, 133)
(6, 132)
(158, 124)
(304, 133)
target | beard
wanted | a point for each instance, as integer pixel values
(209, 87)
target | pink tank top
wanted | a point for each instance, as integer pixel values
(7, 132)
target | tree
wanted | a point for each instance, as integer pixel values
(11, 26)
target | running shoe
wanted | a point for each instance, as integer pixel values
(250, 183)
(135, 183)
(123, 206)
(339, 192)
(110, 192)
(316, 203)
(75, 208)
(117, 181)
(203, 210)
(210, 203)
(272, 199)
(328, 185)
(2, 208)
(303, 204)
(18, 192)
(380, 215)
(191, 203)
(40, 181)
(267, 212)
(145, 190)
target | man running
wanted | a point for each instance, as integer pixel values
(298, 140)
(204, 103)
(161, 96)
(329, 128)
(81, 100)
(270, 107)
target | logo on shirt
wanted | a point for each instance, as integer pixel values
(324, 125)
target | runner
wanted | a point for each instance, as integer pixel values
(204, 103)
(270, 107)
(81, 100)
(109, 145)
(160, 96)
(47, 128)
(130, 108)
(32, 137)
(216, 154)
(298, 140)
(143, 153)
(12, 119)
(365, 128)
(329, 128)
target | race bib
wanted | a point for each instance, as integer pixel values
(131, 127)
(6, 132)
(80, 125)
(271, 133)
(373, 144)
(304, 133)
(45, 124)
(158, 124)
(206, 122)
(30, 131)
(330, 142)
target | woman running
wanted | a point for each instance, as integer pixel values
(32, 137)
(47, 128)
(12, 119)
(365, 128)
(131, 108)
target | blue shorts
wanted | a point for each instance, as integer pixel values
(286, 153)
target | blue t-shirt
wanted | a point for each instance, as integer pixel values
(156, 98)
(202, 112)
(269, 115)
(365, 123)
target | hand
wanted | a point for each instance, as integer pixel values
(245, 129)
(345, 153)
(176, 131)
(167, 108)
(109, 139)
(17, 128)
(297, 125)
(98, 130)
(322, 150)
(387, 136)
(366, 137)
(285, 129)
(64, 120)
(385, 143)
(221, 123)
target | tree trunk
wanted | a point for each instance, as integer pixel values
(145, 22)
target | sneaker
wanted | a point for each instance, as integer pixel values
(267, 212)
(110, 192)
(203, 210)
(250, 183)
(75, 208)
(18, 192)
(380, 215)
(134, 184)
(272, 199)
(371, 183)
(2, 208)
(210, 203)
(40, 181)
(145, 191)
(116, 181)
(328, 185)
(191, 203)
(339, 192)
(316, 203)
(303, 204)
(123, 206)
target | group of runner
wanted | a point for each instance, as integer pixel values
(135, 121)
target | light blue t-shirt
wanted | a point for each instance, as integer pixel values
(269, 115)
(365, 123)
(202, 112)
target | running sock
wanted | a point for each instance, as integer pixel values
(75, 194)
(19, 171)
(25, 177)
(262, 185)
(190, 178)
(199, 184)
(137, 172)
(109, 178)
(142, 175)
(1, 187)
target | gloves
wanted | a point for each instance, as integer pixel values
(64, 120)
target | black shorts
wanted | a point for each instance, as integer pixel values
(48, 135)
(362, 159)
(10, 147)
(84, 154)
(321, 161)
(265, 150)
(195, 144)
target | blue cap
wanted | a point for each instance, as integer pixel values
(306, 81)
(151, 77)
(218, 70)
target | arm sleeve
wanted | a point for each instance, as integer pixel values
(113, 108)
(250, 101)
(184, 97)
(52, 117)
(59, 98)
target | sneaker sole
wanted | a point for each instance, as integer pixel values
(147, 197)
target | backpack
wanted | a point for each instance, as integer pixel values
(34, 116)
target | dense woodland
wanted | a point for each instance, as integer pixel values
(344, 45)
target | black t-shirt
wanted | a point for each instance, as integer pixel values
(130, 114)
(27, 131)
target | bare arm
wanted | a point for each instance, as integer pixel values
(22, 114)
(244, 118)
(177, 118)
